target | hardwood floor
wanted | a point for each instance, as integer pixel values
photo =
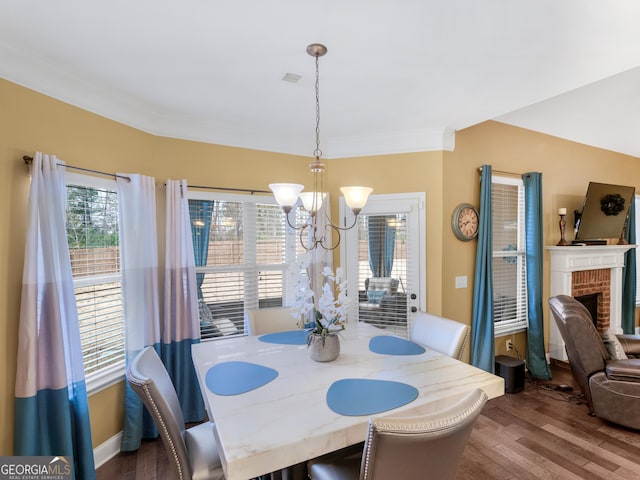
(150, 462)
(539, 433)
(542, 433)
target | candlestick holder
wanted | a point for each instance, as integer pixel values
(623, 234)
(563, 224)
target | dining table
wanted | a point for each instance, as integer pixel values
(272, 406)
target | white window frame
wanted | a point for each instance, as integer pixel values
(251, 267)
(515, 326)
(112, 374)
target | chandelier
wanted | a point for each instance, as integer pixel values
(315, 231)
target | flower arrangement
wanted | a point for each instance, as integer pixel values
(324, 313)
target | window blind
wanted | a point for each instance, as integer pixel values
(382, 271)
(509, 262)
(92, 234)
(247, 253)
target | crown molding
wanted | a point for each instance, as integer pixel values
(42, 76)
(418, 140)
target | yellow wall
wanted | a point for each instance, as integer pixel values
(566, 168)
(414, 172)
(30, 122)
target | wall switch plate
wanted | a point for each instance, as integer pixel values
(461, 282)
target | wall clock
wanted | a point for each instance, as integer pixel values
(464, 222)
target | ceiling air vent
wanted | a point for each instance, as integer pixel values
(291, 77)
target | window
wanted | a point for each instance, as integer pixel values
(386, 277)
(509, 262)
(382, 271)
(92, 234)
(637, 212)
(243, 249)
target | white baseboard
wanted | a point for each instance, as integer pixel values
(106, 451)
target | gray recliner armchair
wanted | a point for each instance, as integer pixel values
(611, 387)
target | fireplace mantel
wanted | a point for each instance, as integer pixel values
(569, 259)
(588, 257)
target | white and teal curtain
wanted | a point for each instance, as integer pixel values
(382, 240)
(51, 407)
(536, 360)
(629, 275)
(181, 325)
(139, 266)
(201, 211)
(482, 331)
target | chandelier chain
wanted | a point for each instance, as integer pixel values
(318, 230)
(317, 152)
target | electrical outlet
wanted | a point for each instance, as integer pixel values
(509, 345)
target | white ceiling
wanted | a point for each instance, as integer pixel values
(400, 75)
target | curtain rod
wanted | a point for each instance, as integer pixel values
(503, 172)
(29, 160)
(247, 190)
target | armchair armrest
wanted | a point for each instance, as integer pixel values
(623, 370)
(630, 344)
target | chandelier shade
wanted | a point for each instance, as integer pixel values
(286, 194)
(312, 201)
(356, 197)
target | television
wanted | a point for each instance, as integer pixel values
(604, 211)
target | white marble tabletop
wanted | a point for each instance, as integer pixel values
(287, 421)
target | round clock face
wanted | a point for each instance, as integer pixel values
(465, 222)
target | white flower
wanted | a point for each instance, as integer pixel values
(333, 311)
(303, 304)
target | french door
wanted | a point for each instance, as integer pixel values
(384, 261)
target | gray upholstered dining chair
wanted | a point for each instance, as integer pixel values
(270, 320)
(407, 448)
(193, 452)
(441, 334)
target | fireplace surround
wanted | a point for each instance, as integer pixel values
(583, 270)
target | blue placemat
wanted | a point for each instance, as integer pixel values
(234, 378)
(290, 337)
(389, 345)
(359, 396)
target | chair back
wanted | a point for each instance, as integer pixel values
(441, 334)
(150, 380)
(428, 446)
(585, 349)
(270, 320)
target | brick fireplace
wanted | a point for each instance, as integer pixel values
(585, 283)
(585, 270)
